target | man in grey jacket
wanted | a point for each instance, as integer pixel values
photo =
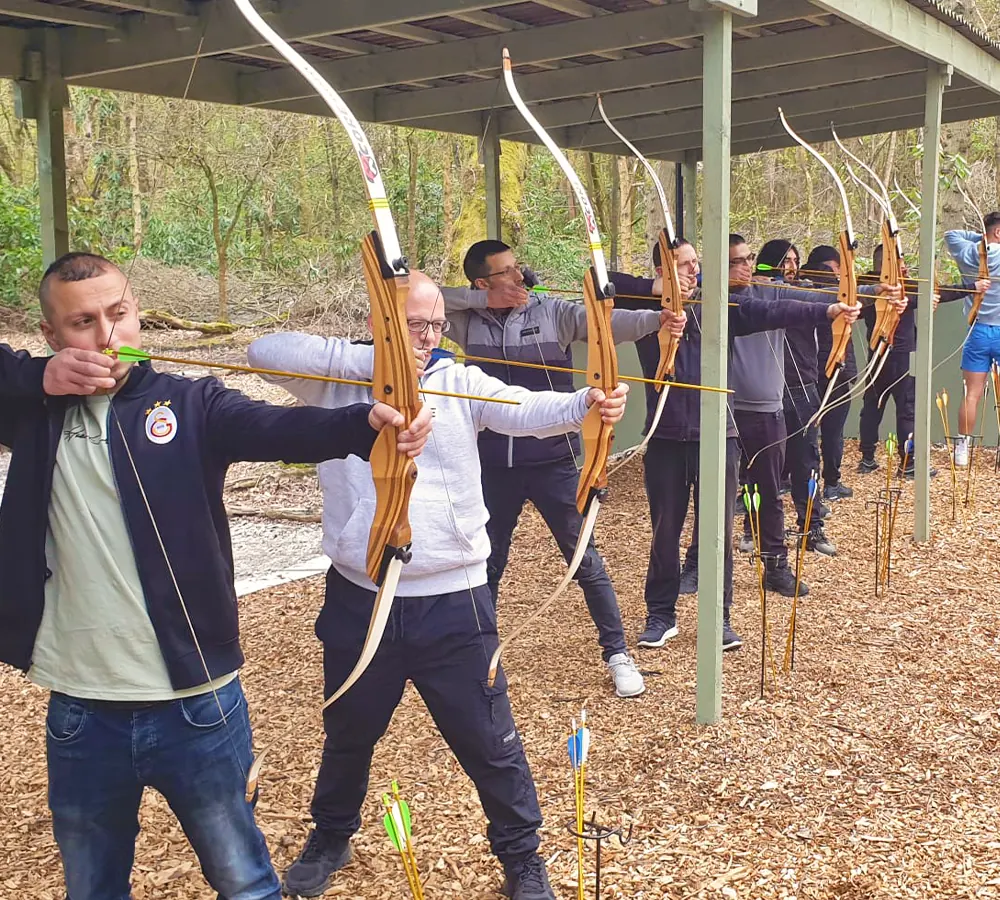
(539, 329)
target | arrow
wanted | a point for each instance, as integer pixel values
(131, 354)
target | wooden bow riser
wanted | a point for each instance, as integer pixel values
(984, 272)
(847, 294)
(602, 372)
(394, 382)
(885, 319)
(672, 299)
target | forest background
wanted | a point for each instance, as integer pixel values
(269, 206)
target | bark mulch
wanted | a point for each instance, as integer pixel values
(870, 772)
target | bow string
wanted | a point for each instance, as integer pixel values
(395, 375)
(671, 296)
(602, 370)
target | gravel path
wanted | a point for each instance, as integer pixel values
(261, 548)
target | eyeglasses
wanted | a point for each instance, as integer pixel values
(510, 271)
(747, 260)
(420, 326)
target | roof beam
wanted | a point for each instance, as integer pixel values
(649, 25)
(227, 31)
(52, 14)
(914, 29)
(624, 75)
(13, 42)
(213, 81)
(752, 84)
(596, 136)
(871, 117)
(179, 8)
(903, 123)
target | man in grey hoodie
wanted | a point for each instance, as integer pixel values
(759, 381)
(442, 629)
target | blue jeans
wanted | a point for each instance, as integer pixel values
(551, 487)
(101, 755)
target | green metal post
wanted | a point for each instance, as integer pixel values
(717, 95)
(52, 151)
(491, 163)
(690, 169)
(938, 76)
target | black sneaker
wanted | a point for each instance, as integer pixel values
(689, 578)
(526, 880)
(781, 579)
(658, 631)
(868, 465)
(837, 491)
(820, 510)
(907, 473)
(730, 639)
(820, 543)
(311, 873)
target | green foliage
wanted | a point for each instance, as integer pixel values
(20, 244)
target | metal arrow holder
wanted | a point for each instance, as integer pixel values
(598, 833)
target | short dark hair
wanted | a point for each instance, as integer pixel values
(474, 264)
(657, 261)
(736, 239)
(70, 267)
(992, 220)
(877, 255)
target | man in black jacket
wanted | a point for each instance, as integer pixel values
(894, 378)
(116, 579)
(671, 461)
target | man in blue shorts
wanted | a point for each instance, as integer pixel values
(982, 345)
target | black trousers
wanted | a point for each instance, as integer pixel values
(552, 490)
(759, 431)
(670, 470)
(831, 430)
(802, 447)
(903, 394)
(442, 644)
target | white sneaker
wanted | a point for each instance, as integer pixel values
(961, 452)
(626, 676)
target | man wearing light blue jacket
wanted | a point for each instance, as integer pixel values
(982, 344)
(442, 629)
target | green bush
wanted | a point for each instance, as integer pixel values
(20, 245)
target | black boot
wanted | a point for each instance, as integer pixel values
(689, 577)
(310, 874)
(781, 579)
(526, 880)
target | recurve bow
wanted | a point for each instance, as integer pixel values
(602, 371)
(395, 374)
(671, 296)
(847, 288)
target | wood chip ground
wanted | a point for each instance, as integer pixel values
(870, 772)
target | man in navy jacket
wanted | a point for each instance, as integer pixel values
(671, 464)
(116, 579)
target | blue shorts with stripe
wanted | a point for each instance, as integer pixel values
(981, 348)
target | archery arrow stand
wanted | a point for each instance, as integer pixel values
(766, 650)
(885, 507)
(594, 831)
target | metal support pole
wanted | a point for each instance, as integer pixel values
(51, 98)
(938, 76)
(716, 101)
(690, 169)
(491, 163)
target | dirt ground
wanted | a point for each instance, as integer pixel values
(870, 772)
